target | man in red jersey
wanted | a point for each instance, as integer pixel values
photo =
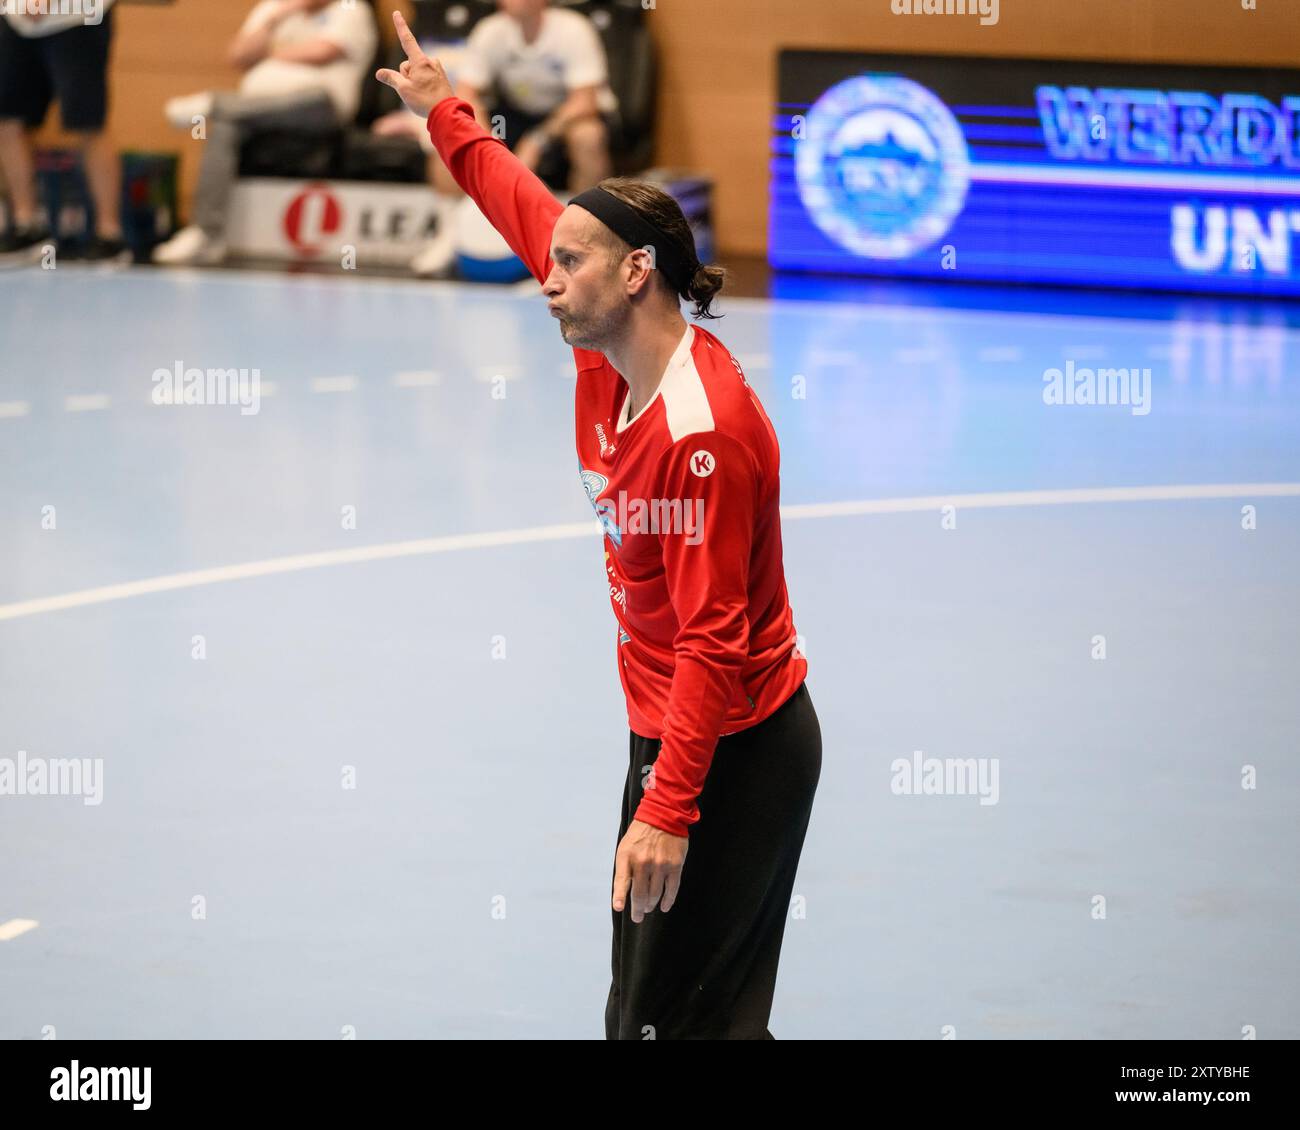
(682, 467)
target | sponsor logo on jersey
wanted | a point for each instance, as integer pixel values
(593, 483)
(633, 515)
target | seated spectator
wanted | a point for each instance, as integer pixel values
(44, 56)
(304, 62)
(537, 77)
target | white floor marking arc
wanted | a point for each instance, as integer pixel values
(16, 927)
(560, 532)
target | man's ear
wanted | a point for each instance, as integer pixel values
(640, 264)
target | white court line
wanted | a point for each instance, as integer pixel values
(1167, 352)
(1001, 353)
(424, 546)
(295, 564)
(417, 379)
(1000, 499)
(918, 355)
(11, 408)
(333, 384)
(833, 357)
(90, 402)
(16, 926)
(454, 291)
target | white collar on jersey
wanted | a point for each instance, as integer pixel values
(681, 356)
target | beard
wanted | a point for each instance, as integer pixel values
(595, 330)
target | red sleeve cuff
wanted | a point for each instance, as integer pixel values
(665, 819)
(438, 106)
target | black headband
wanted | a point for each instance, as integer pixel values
(678, 263)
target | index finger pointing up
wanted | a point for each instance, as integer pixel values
(409, 43)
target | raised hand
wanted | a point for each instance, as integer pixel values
(421, 83)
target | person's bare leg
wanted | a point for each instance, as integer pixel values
(104, 175)
(19, 168)
(588, 143)
(436, 254)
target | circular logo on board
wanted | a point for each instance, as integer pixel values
(883, 167)
(312, 216)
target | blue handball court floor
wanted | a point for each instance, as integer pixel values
(339, 672)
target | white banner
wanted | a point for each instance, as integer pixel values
(326, 221)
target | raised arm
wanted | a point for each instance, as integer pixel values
(513, 199)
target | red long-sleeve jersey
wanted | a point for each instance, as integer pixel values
(688, 495)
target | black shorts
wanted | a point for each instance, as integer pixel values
(706, 969)
(71, 66)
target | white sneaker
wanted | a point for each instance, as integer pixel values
(435, 257)
(181, 112)
(190, 246)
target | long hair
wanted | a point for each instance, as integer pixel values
(665, 213)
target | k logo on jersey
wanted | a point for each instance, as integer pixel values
(702, 464)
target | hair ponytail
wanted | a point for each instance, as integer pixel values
(704, 288)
